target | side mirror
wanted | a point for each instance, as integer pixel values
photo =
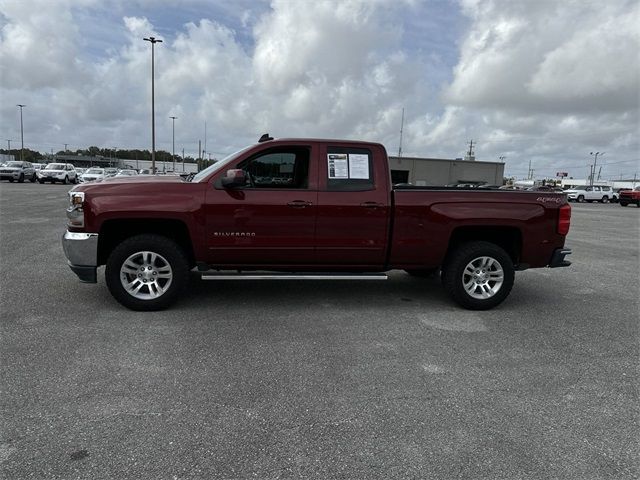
(234, 178)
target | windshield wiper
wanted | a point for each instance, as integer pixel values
(190, 177)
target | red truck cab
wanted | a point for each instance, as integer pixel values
(307, 208)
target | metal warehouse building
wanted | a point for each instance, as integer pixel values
(441, 171)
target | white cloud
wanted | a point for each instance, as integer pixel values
(546, 81)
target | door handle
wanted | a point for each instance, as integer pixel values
(299, 204)
(371, 205)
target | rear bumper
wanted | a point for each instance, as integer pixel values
(81, 249)
(557, 259)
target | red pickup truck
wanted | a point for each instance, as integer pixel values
(307, 208)
(628, 196)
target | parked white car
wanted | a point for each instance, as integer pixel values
(92, 174)
(587, 193)
(58, 172)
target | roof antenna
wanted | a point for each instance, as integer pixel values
(265, 138)
(401, 128)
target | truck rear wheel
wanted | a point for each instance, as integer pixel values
(478, 275)
(147, 272)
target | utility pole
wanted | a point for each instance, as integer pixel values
(9, 146)
(173, 143)
(530, 174)
(401, 128)
(205, 137)
(183, 159)
(199, 153)
(595, 162)
(153, 41)
(470, 155)
(21, 132)
(65, 147)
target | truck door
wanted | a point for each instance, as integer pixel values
(353, 206)
(270, 221)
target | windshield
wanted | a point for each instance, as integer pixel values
(579, 187)
(219, 165)
(14, 164)
(95, 171)
(55, 166)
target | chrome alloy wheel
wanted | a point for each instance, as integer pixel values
(146, 275)
(483, 277)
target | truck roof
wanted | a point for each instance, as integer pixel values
(323, 140)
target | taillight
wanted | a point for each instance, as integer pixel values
(564, 219)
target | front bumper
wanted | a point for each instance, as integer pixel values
(81, 249)
(557, 259)
(7, 175)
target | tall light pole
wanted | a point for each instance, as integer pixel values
(21, 132)
(153, 41)
(173, 143)
(595, 162)
(9, 146)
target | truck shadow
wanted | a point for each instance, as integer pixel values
(400, 289)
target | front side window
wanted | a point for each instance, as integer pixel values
(279, 168)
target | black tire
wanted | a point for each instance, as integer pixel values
(605, 199)
(11, 180)
(580, 198)
(21, 178)
(66, 180)
(165, 249)
(454, 273)
(41, 182)
(623, 204)
(33, 178)
(422, 272)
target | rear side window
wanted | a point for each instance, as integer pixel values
(349, 169)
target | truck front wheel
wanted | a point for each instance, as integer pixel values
(478, 275)
(147, 272)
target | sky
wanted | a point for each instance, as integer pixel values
(536, 81)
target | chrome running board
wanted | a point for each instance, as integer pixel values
(294, 276)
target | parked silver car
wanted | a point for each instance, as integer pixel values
(19, 171)
(93, 174)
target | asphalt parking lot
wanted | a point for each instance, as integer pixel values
(319, 379)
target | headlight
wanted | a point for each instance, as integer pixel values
(75, 212)
(76, 199)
